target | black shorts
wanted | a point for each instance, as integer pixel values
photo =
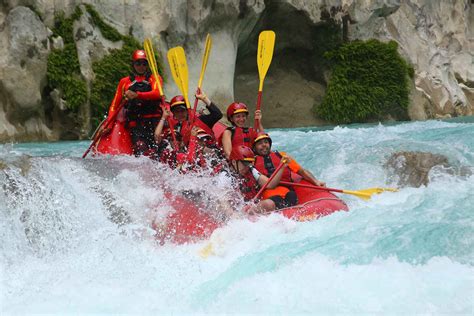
(289, 200)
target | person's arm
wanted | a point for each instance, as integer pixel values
(227, 143)
(154, 94)
(119, 95)
(215, 113)
(258, 116)
(263, 179)
(307, 175)
(161, 124)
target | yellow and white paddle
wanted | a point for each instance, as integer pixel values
(150, 55)
(266, 44)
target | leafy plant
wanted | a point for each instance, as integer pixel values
(369, 81)
(64, 70)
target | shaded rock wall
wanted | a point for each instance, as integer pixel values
(436, 37)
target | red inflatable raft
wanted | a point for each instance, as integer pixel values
(118, 141)
(190, 223)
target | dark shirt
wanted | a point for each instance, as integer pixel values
(214, 115)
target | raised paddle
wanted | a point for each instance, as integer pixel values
(179, 70)
(266, 44)
(365, 194)
(103, 128)
(150, 54)
(205, 58)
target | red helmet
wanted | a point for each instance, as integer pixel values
(138, 54)
(260, 136)
(177, 101)
(242, 152)
(235, 108)
(202, 134)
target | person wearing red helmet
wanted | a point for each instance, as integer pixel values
(202, 153)
(266, 161)
(182, 126)
(141, 111)
(251, 180)
(181, 118)
(238, 134)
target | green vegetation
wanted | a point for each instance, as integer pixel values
(64, 70)
(369, 81)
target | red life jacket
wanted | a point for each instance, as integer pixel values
(248, 186)
(185, 129)
(267, 165)
(241, 136)
(204, 126)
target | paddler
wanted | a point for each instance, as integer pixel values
(267, 160)
(250, 180)
(181, 117)
(141, 110)
(203, 151)
(238, 133)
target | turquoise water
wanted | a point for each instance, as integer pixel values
(65, 248)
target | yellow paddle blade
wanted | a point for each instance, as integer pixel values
(150, 56)
(179, 70)
(205, 58)
(366, 194)
(206, 251)
(359, 194)
(266, 43)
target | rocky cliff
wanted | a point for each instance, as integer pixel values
(436, 37)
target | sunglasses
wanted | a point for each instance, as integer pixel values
(140, 63)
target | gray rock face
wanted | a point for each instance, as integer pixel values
(436, 37)
(24, 49)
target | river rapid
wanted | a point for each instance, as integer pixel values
(75, 234)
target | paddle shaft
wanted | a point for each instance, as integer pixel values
(104, 126)
(196, 101)
(311, 186)
(152, 63)
(269, 180)
(259, 102)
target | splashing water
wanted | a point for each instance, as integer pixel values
(75, 234)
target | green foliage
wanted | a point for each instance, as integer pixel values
(64, 70)
(369, 81)
(107, 31)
